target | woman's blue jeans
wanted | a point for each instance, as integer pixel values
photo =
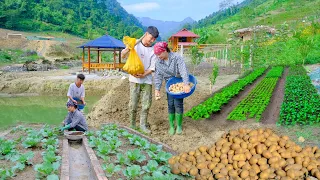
(174, 105)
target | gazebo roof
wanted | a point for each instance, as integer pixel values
(185, 33)
(104, 41)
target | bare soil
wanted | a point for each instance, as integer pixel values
(272, 112)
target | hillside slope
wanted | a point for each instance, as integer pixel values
(88, 19)
(257, 12)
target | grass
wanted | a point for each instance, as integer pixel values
(10, 56)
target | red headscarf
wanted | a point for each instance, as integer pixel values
(160, 47)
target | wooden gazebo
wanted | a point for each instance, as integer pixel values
(182, 38)
(101, 44)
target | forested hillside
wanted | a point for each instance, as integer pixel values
(88, 19)
(296, 23)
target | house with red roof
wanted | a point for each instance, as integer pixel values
(183, 38)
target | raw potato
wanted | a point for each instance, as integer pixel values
(233, 173)
(193, 171)
(244, 174)
(178, 87)
(239, 157)
(203, 148)
(249, 154)
(229, 167)
(224, 171)
(175, 170)
(204, 172)
(202, 165)
(216, 170)
(183, 169)
(192, 153)
(172, 161)
(273, 159)
(264, 174)
(267, 154)
(281, 173)
(211, 165)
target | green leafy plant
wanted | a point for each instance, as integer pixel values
(155, 148)
(103, 149)
(23, 158)
(48, 131)
(46, 168)
(111, 169)
(135, 155)
(7, 147)
(51, 141)
(122, 159)
(6, 173)
(50, 156)
(31, 142)
(158, 175)
(161, 156)
(213, 76)
(133, 172)
(151, 166)
(196, 56)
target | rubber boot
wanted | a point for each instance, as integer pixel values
(171, 123)
(143, 123)
(179, 123)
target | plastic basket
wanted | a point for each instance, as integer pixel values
(182, 95)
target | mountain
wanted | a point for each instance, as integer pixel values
(89, 19)
(166, 28)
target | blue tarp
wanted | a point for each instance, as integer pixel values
(105, 41)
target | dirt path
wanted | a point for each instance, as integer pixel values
(272, 112)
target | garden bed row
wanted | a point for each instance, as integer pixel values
(125, 154)
(301, 103)
(258, 99)
(214, 103)
(30, 153)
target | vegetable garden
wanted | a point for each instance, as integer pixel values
(240, 153)
(258, 99)
(128, 156)
(30, 149)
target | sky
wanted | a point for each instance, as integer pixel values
(172, 10)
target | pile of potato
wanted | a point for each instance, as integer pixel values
(249, 154)
(178, 87)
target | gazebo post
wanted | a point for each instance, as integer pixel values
(82, 59)
(114, 59)
(89, 59)
(119, 59)
(98, 58)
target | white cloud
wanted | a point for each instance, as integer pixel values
(141, 7)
